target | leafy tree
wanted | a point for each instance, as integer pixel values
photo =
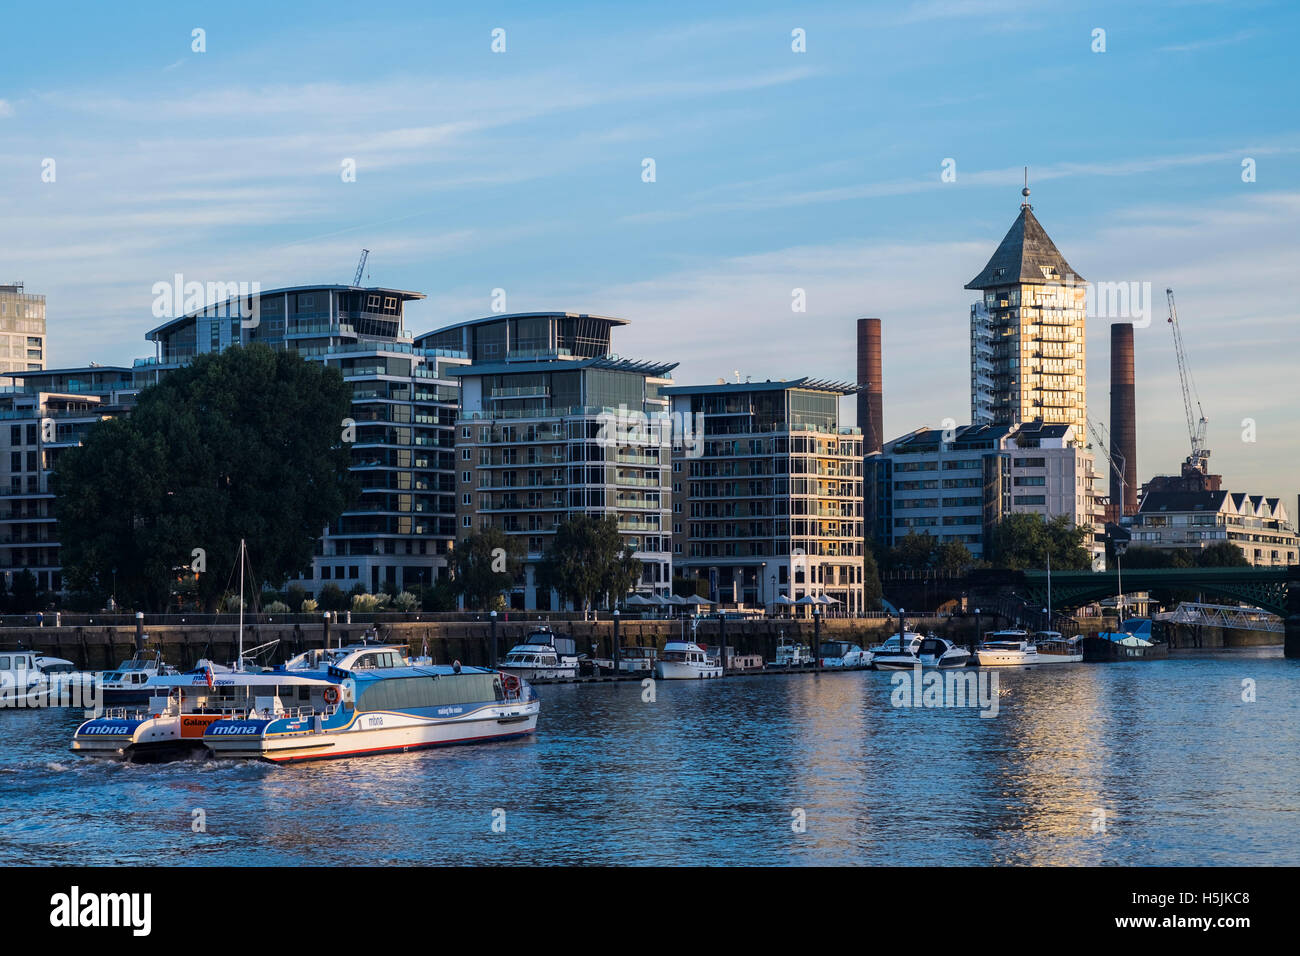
(952, 557)
(484, 564)
(1022, 541)
(26, 595)
(913, 552)
(588, 558)
(871, 590)
(1222, 554)
(331, 598)
(241, 444)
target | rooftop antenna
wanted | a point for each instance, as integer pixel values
(365, 254)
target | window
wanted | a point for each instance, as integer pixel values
(464, 476)
(468, 522)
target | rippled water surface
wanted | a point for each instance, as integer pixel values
(713, 773)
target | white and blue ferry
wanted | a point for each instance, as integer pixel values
(386, 709)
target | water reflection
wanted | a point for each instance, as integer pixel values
(712, 772)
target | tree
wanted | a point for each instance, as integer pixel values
(1222, 554)
(242, 444)
(1024, 540)
(588, 558)
(952, 557)
(484, 564)
(871, 590)
(913, 552)
(26, 595)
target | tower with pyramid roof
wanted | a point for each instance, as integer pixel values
(1027, 332)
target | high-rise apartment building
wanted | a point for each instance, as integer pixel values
(22, 330)
(403, 409)
(553, 425)
(46, 413)
(767, 502)
(1027, 333)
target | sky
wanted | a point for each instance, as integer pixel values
(775, 169)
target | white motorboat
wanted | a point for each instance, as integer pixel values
(943, 653)
(126, 684)
(789, 654)
(683, 660)
(542, 654)
(1055, 649)
(843, 654)
(893, 653)
(1009, 648)
(637, 660)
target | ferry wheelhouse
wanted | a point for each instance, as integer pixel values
(126, 684)
(386, 709)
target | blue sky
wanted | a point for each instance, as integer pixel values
(775, 170)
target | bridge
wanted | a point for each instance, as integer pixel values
(1266, 588)
(1223, 616)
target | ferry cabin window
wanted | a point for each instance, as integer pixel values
(5, 663)
(407, 693)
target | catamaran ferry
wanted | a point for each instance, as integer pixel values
(386, 710)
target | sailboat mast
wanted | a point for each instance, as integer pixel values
(239, 663)
(1049, 590)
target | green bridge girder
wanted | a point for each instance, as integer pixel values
(1265, 588)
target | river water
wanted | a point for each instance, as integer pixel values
(1159, 762)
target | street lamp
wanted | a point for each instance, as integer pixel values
(1120, 548)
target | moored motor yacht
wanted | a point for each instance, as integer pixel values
(683, 660)
(843, 654)
(1053, 648)
(542, 654)
(637, 660)
(126, 683)
(790, 654)
(386, 710)
(943, 653)
(1008, 648)
(894, 653)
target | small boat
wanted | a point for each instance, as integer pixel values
(943, 653)
(1055, 649)
(1133, 641)
(543, 654)
(684, 660)
(1009, 648)
(843, 654)
(126, 684)
(789, 654)
(374, 710)
(637, 660)
(895, 654)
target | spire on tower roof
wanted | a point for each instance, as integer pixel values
(1026, 254)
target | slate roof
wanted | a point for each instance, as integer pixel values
(1021, 256)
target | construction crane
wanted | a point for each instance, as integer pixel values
(1199, 460)
(1116, 461)
(361, 266)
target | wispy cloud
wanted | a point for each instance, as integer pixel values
(1208, 43)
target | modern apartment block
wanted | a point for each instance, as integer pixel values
(404, 406)
(1027, 333)
(1194, 520)
(22, 330)
(957, 486)
(547, 430)
(45, 413)
(772, 503)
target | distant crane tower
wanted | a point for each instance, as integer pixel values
(361, 266)
(1113, 458)
(1199, 460)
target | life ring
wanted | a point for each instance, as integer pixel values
(331, 695)
(511, 683)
